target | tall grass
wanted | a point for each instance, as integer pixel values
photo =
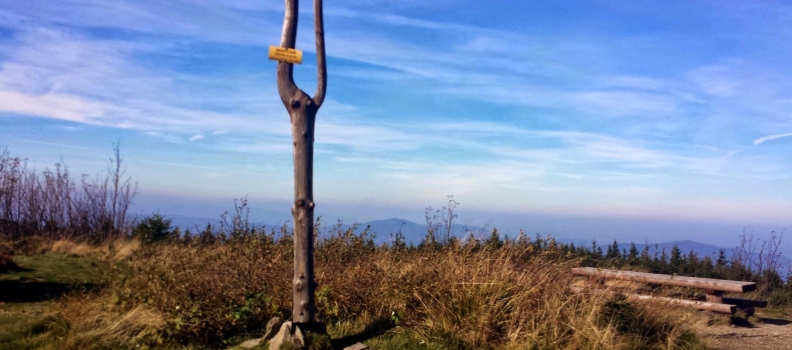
(460, 296)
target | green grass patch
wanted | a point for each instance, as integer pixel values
(57, 268)
(27, 297)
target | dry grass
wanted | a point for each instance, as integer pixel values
(94, 322)
(72, 248)
(475, 296)
(120, 249)
(113, 250)
(456, 297)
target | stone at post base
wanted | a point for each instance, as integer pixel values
(273, 326)
(252, 343)
(356, 346)
(283, 335)
(298, 335)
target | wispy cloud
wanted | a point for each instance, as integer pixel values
(167, 137)
(59, 106)
(716, 80)
(764, 139)
(196, 138)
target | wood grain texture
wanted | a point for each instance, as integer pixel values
(681, 281)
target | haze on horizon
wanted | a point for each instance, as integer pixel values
(650, 112)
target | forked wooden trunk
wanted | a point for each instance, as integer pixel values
(302, 112)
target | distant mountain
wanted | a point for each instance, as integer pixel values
(385, 230)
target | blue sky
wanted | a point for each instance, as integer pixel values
(656, 110)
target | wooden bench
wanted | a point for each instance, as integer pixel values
(714, 289)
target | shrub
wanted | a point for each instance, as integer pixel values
(207, 293)
(155, 228)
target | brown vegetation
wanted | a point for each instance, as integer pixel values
(94, 322)
(458, 296)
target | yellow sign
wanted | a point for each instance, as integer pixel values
(283, 54)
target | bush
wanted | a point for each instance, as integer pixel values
(155, 228)
(207, 294)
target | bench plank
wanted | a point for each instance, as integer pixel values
(681, 281)
(700, 305)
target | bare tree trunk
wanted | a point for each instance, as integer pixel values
(302, 112)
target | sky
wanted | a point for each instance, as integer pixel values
(650, 111)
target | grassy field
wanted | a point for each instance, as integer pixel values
(33, 299)
(195, 296)
(183, 294)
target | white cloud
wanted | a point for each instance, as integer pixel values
(58, 106)
(167, 137)
(102, 82)
(196, 138)
(763, 139)
(365, 138)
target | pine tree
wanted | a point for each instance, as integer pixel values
(632, 255)
(721, 265)
(155, 228)
(676, 263)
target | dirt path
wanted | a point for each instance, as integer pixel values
(768, 333)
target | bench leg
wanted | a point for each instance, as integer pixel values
(714, 296)
(749, 311)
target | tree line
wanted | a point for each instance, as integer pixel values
(51, 203)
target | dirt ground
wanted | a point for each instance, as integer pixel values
(761, 332)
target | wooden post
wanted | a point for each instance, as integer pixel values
(302, 113)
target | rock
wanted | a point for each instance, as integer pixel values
(297, 338)
(252, 343)
(356, 346)
(272, 327)
(284, 334)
